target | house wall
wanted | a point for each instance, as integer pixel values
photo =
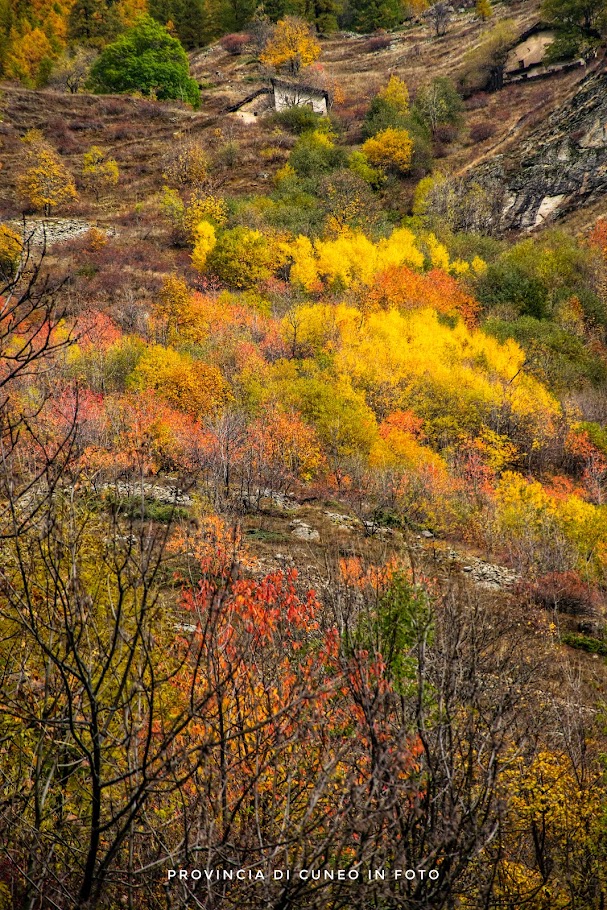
(530, 52)
(285, 98)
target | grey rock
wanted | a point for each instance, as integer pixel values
(560, 166)
(304, 531)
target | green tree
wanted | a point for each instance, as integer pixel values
(147, 59)
(198, 22)
(579, 24)
(323, 13)
(389, 109)
(438, 104)
(6, 21)
(369, 15)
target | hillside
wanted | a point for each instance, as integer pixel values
(138, 135)
(303, 463)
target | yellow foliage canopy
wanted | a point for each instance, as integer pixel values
(46, 183)
(204, 241)
(28, 51)
(190, 386)
(351, 259)
(99, 170)
(396, 94)
(391, 149)
(11, 246)
(292, 45)
(457, 378)
(529, 514)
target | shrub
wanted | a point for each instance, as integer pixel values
(446, 133)
(148, 510)
(316, 154)
(479, 132)
(235, 43)
(187, 166)
(565, 592)
(242, 257)
(389, 108)
(379, 42)
(476, 102)
(298, 119)
(585, 643)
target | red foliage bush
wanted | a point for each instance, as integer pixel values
(235, 43)
(446, 132)
(565, 592)
(476, 102)
(481, 131)
(379, 42)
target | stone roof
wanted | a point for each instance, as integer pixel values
(300, 86)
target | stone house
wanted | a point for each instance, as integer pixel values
(297, 94)
(528, 53)
(282, 95)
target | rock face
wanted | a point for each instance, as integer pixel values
(561, 165)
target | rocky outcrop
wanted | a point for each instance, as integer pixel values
(304, 531)
(561, 165)
(49, 231)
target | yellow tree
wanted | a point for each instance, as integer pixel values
(46, 183)
(11, 247)
(391, 148)
(99, 170)
(483, 9)
(292, 45)
(191, 386)
(28, 55)
(396, 94)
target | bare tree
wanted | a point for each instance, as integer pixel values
(31, 312)
(439, 14)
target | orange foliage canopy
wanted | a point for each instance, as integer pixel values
(405, 289)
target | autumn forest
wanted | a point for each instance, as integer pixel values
(303, 456)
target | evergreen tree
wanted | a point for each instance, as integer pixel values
(189, 18)
(238, 13)
(369, 15)
(324, 14)
(93, 22)
(5, 30)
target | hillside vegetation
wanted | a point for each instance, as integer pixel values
(303, 459)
